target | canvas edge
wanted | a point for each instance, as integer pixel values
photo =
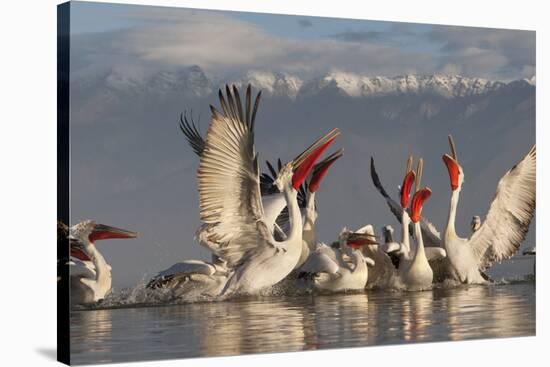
(63, 151)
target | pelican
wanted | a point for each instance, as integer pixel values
(200, 278)
(306, 200)
(431, 235)
(530, 251)
(234, 222)
(329, 268)
(533, 252)
(193, 278)
(90, 273)
(418, 275)
(506, 223)
(404, 250)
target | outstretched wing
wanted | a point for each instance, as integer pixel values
(192, 134)
(229, 182)
(188, 267)
(430, 234)
(319, 262)
(510, 214)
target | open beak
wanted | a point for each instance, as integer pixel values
(305, 161)
(453, 168)
(452, 164)
(357, 240)
(408, 181)
(418, 201)
(321, 169)
(104, 232)
(77, 252)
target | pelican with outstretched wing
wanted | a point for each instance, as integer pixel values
(506, 223)
(231, 209)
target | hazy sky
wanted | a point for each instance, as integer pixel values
(131, 167)
(222, 42)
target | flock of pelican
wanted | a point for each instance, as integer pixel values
(260, 227)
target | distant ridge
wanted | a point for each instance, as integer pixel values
(193, 81)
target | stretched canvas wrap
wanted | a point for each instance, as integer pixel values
(233, 183)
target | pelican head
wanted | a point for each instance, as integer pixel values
(456, 174)
(87, 232)
(418, 201)
(355, 240)
(295, 171)
(388, 233)
(405, 192)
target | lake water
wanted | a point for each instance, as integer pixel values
(306, 322)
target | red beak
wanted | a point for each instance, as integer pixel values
(454, 171)
(418, 200)
(357, 240)
(103, 232)
(305, 161)
(321, 169)
(408, 181)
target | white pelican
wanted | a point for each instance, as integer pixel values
(328, 266)
(431, 235)
(306, 201)
(273, 200)
(413, 269)
(403, 252)
(418, 275)
(506, 223)
(90, 274)
(193, 278)
(231, 209)
(532, 251)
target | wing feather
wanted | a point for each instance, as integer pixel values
(510, 214)
(320, 262)
(229, 184)
(192, 134)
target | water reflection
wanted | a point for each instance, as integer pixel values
(302, 323)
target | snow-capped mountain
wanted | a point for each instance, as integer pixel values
(277, 84)
(357, 85)
(194, 82)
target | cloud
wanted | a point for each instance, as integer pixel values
(497, 53)
(222, 45)
(305, 23)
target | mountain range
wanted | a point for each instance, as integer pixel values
(193, 82)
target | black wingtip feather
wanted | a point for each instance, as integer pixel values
(239, 104)
(271, 169)
(256, 103)
(247, 106)
(376, 179)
